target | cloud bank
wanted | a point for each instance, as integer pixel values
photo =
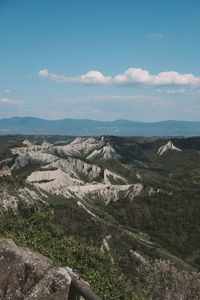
(131, 76)
(6, 91)
(9, 101)
(172, 92)
(115, 100)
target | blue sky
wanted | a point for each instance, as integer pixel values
(103, 60)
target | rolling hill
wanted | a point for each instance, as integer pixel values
(84, 127)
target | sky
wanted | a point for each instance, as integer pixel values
(100, 60)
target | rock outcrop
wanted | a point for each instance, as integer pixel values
(168, 146)
(28, 275)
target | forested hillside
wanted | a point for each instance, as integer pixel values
(123, 212)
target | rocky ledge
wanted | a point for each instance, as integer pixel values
(28, 275)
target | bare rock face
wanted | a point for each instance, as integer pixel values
(28, 275)
(168, 146)
(25, 274)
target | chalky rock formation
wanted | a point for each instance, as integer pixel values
(167, 147)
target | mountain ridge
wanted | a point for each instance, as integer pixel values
(87, 127)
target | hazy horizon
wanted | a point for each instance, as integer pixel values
(97, 120)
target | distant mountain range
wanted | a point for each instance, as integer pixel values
(86, 127)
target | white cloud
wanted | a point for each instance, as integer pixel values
(6, 91)
(141, 98)
(92, 77)
(172, 92)
(43, 73)
(155, 36)
(131, 76)
(137, 75)
(9, 101)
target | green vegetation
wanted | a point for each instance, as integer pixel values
(161, 280)
(161, 223)
(5, 153)
(34, 226)
(172, 222)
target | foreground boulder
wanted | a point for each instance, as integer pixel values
(25, 274)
